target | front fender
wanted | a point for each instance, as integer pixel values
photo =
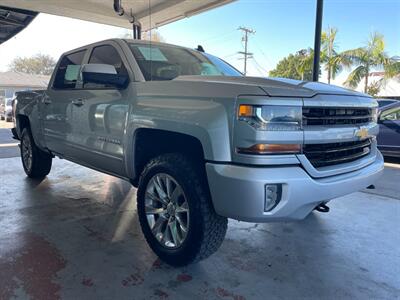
(207, 121)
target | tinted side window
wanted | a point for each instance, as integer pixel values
(68, 70)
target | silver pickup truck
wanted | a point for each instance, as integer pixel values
(201, 142)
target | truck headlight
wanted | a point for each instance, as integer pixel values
(271, 117)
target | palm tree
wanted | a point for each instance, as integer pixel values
(392, 68)
(333, 60)
(372, 55)
(305, 63)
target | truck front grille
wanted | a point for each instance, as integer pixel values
(321, 155)
(336, 116)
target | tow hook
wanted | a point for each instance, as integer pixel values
(322, 208)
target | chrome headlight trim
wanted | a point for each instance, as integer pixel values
(275, 118)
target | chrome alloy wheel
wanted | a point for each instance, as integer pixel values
(167, 210)
(26, 150)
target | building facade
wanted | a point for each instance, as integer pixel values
(11, 82)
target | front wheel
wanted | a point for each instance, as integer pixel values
(36, 163)
(175, 211)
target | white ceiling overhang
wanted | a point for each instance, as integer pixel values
(150, 13)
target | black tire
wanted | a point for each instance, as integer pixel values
(206, 230)
(40, 164)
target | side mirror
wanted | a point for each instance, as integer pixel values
(379, 116)
(103, 74)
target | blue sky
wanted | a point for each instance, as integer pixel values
(282, 27)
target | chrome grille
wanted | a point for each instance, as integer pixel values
(321, 155)
(336, 116)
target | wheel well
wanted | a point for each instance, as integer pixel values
(150, 143)
(22, 122)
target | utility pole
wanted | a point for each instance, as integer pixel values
(245, 39)
(317, 39)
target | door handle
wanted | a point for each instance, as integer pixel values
(78, 102)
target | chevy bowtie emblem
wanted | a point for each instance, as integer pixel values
(362, 133)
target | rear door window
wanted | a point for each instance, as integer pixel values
(68, 70)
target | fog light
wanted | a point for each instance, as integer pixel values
(273, 193)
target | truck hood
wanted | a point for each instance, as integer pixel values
(278, 87)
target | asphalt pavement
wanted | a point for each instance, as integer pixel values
(75, 235)
(8, 146)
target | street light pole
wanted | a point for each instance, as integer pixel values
(317, 39)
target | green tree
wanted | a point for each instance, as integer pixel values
(372, 55)
(41, 64)
(374, 88)
(392, 68)
(333, 60)
(154, 34)
(295, 66)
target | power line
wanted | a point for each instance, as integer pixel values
(260, 71)
(263, 54)
(261, 67)
(245, 39)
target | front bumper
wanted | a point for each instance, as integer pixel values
(238, 192)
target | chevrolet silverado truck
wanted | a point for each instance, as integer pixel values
(200, 141)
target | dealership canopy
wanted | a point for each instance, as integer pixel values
(16, 14)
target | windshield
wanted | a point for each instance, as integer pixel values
(164, 62)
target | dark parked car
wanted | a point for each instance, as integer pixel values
(14, 129)
(389, 129)
(384, 102)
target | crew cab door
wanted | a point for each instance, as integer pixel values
(56, 104)
(100, 114)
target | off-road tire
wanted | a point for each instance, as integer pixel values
(41, 161)
(206, 229)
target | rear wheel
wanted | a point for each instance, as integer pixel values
(175, 211)
(36, 163)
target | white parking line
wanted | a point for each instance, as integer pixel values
(397, 166)
(9, 145)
